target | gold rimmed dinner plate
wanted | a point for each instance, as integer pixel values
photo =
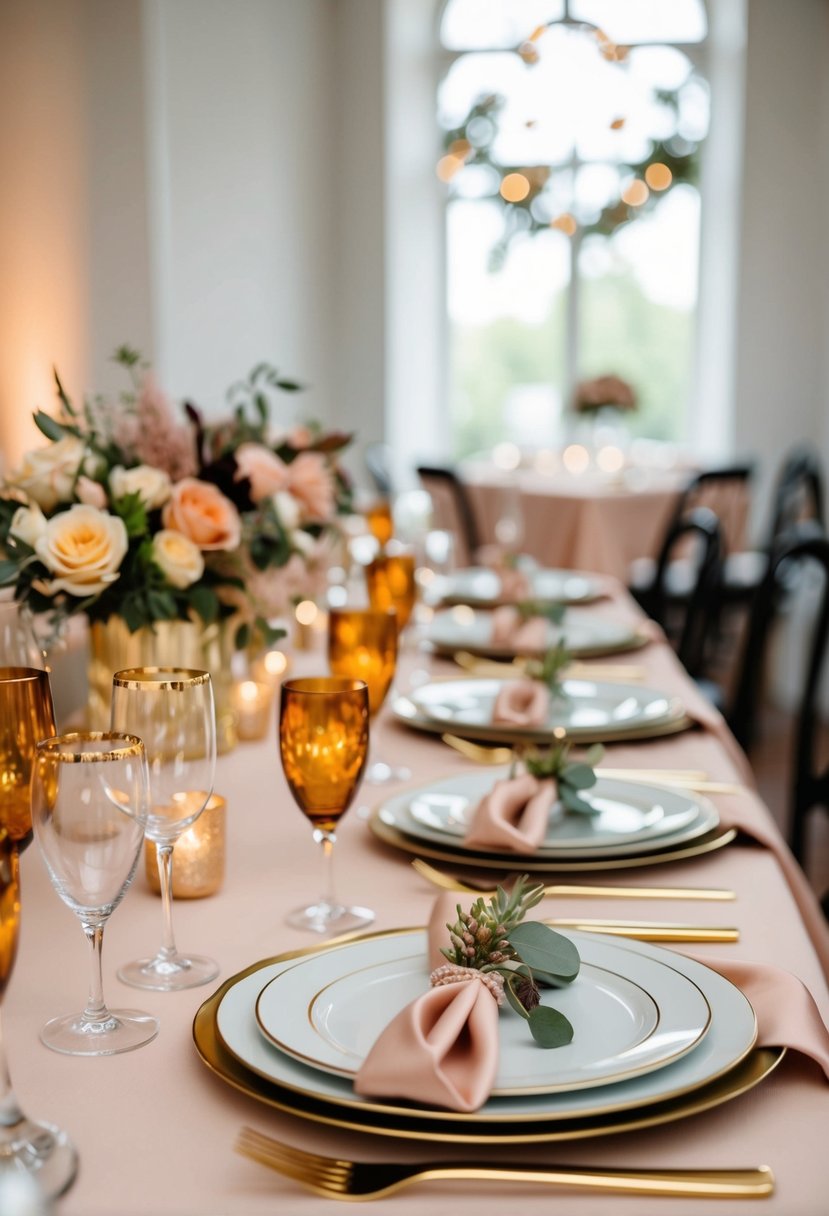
(748, 1072)
(585, 635)
(709, 843)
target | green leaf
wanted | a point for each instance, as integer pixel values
(8, 572)
(50, 427)
(581, 776)
(242, 636)
(161, 605)
(512, 999)
(132, 511)
(545, 952)
(290, 386)
(206, 603)
(572, 801)
(550, 1028)
(61, 391)
(594, 755)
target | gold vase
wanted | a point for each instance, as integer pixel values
(166, 644)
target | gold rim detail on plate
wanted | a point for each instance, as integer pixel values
(717, 838)
(742, 1076)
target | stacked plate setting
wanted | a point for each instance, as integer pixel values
(657, 1037)
(590, 711)
(586, 634)
(481, 587)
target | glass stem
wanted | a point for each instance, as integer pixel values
(10, 1113)
(327, 840)
(164, 853)
(96, 1010)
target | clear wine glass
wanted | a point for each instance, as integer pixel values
(323, 742)
(19, 646)
(89, 807)
(171, 709)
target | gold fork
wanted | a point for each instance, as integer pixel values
(338, 1178)
(574, 890)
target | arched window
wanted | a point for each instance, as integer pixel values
(571, 162)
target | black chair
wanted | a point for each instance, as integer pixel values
(784, 579)
(698, 610)
(378, 463)
(798, 496)
(449, 492)
(719, 489)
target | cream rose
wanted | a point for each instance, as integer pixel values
(48, 474)
(178, 558)
(83, 547)
(264, 470)
(28, 524)
(203, 514)
(153, 486)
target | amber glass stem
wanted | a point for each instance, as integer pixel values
(327, 839)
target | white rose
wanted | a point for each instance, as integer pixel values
(84, 548)
(152, 485)
(287, 509)
(48, 474)
(28, 524)
(178, 558)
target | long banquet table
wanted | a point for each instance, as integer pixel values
(155, 1129)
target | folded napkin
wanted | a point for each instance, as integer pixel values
(515, 584)
(509, 629)
(522, 703)
(513, 815)
(442, 1049)
(787, 1015)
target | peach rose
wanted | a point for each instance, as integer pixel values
(266, 473)
(202, 513)
(178, 558)
(310, 481)
(84, 547)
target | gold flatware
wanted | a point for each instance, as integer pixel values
(649, 931)
(338, 1178)
(479, 753)
(577, 670)
(564, 890)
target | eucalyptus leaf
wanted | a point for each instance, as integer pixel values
(550, 1028)
(545, 952)
(8, 572)
(579, 775)
(52, 429)
(571, 800)
(594, 755)
(513, 1000)
(206, 603)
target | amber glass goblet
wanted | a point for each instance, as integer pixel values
(390, 580)
(379, 521)
(323, 742)
(26, 717)
(362, 644)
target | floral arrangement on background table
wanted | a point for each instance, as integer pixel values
(143, 519)
(604, 392)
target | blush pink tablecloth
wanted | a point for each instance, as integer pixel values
(155, 1128)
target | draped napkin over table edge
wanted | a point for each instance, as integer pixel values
(443, 1048)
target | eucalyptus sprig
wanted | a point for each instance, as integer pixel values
(551, 612)
(550, 669)
(572, 776)
(493, 936)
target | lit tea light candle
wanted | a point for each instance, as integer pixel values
(198, 857)
(270, 668)
(305, 613)
(252, 702)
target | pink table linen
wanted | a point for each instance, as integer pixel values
(155, 1129)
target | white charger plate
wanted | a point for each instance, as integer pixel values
(632, 817)
(478, 586)
(731, 1035)
(625, 1024)
(588, 710)
(585, 634)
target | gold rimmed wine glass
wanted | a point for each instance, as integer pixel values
(171, 709)
(362, 645)
(89, 807)
(391, 583)
(323, 743)
(26, 717)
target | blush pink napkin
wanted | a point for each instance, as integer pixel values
(521, 703)
(509, 629)
(515, 584)
(513, 815)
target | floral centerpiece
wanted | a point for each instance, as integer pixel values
(134, 515)
(604, 392)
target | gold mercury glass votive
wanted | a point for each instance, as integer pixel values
(199, 855)
(252, 702)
